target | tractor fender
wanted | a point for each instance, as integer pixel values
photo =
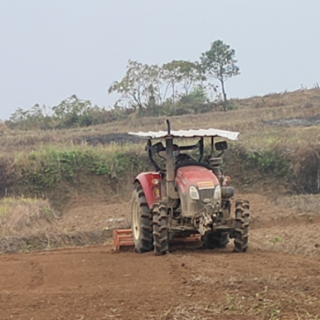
(150, 183)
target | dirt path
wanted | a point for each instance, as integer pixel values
(93, 283)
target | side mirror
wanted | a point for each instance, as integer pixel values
(221, 146)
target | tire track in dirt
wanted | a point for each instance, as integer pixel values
(36, 279)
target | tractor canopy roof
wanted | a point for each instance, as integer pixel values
(231, 135)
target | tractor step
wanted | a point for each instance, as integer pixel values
(123, 238)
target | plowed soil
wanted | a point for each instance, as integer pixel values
(278, 278)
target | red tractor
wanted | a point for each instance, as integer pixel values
(187, 196)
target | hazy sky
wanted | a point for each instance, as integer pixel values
(51, 49)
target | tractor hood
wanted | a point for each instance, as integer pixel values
(197, 176)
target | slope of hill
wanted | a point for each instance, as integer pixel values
(83, 170)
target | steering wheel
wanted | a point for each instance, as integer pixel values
(183, 157)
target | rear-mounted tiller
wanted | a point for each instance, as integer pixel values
(123, 238)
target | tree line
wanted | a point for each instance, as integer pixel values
(175, 88)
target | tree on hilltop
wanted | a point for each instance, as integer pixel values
(139, 86)
(219, 63)
(181, 72)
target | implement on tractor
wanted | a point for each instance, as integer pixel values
(186, 197)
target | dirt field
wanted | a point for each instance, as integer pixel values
(278, 278)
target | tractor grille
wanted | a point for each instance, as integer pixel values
(206, 193)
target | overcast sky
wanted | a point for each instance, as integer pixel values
(51, 49)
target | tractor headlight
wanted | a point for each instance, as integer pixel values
(193, 193)
(217, 193)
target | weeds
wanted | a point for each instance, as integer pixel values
(21, 212)
(268, 161)
(45, 168)
(276, 239)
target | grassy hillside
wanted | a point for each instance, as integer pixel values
(279, 139)
(44, 174)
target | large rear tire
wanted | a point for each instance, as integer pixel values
(141, 221)
(241, 234)
(160, 230)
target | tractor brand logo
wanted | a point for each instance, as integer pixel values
(205, 185)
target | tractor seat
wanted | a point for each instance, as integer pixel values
(184, 160)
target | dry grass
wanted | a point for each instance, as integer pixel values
(27, 224)
(249, 117)
(18, 215)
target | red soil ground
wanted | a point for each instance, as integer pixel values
(278, 278)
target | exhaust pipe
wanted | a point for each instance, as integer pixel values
(168, 127)
(170, 189)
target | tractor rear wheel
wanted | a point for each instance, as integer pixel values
(241, 234)
(160, 230)
(141, 221)
(216, 240)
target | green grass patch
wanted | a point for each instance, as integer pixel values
(43, 169)
(268, 161)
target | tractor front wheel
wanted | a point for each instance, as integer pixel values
(141, 221)
(241, 234)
